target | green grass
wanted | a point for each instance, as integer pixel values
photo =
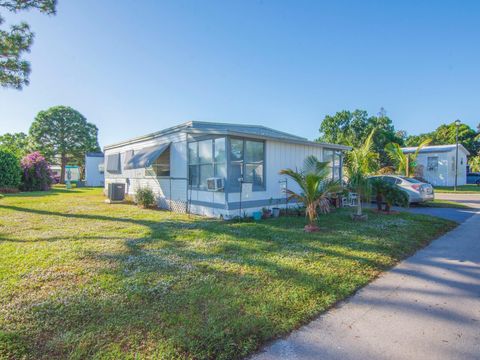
(464, 189)
(443, 204)
(83, 279)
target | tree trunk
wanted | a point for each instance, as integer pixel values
(62, 169)
(387, 207)
(379, 202)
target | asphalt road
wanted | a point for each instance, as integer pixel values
(427, 307)
(458, 215)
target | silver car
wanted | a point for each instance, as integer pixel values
(417, 191)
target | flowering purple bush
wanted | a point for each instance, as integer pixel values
(36, 173)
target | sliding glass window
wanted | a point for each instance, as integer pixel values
(206, 159)
(247, 163)
(335, 163)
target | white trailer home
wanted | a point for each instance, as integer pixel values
(436, 164)
(94, 169)
(214, 169)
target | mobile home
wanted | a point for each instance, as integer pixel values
(94, 169)
(437, 164)
(215, 169)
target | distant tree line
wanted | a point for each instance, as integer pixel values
(353, 127)
(60, 134)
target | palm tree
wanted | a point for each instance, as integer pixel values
(404, 163)
(360, 163)
(474, 163)
(313, 180)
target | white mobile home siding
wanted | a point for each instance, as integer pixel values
(278, 156)
(169, 191)
(93, 176)
(174, 193)
(444, 175)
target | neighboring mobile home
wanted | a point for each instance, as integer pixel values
(215, 169)
(436, 164)
(94, 169)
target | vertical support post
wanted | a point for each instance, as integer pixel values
(170, 188)
(407, 170)
(241, 189)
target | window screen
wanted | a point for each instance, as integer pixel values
(432, 163)
(113, 163)
(247, 162)
(206, 159)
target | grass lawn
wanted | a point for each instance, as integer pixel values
(443, 204)
(463, 189)
(83, 279)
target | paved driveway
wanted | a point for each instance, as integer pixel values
(427, 307)
(458, 215)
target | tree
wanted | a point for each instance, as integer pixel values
(404, 163)
(352, 129)
(10, 173)
(315, 184)
(14, 70)
(17, 143)
(360, 163)
(64, 133)
(474, 163)
(446, 134)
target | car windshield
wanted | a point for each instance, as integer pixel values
(411, 180)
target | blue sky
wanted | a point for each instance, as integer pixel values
(133, 67)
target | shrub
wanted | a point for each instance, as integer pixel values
(395, 196)
(145, 197)
(10, 172)
(36, 175)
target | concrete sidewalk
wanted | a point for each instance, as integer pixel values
(427, 307)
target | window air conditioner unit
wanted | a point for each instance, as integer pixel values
(215, 184)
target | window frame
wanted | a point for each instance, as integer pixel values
(335, 164)
(227, 162)
(234, 188)
(150, 171)
(198, 164)
(435, 167)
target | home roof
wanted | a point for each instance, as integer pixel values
(255, 131)
(94, 154)
(434, 149)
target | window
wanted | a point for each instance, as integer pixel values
(432, 163)
(113, 163)
(161, 166)
(334, 158)
(391, 180)
(206, 159)
(247, 162)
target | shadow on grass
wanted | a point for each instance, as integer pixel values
(213, 301)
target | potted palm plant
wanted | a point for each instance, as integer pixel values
(315, 184)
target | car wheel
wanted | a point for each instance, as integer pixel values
(477, 182)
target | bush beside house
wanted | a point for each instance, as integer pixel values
(145, 197)
(10, 172)
(36, 175)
